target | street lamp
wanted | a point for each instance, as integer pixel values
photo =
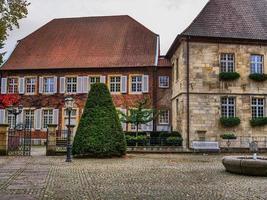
(69, 101)
(15, 111)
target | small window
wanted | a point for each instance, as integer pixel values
(228, 107)
(29, 118)
(164, 82)
(136, 83)
(164, 117)
(73, 117)
(257, 107)
(30, 85)
(133, 127)
(71, 84)
(177, 106)
(115, 84)
(12, 85)
(256, 64)
(227, 62)
(47, 117)
(11, 120)
(93, 80)
(48, 84)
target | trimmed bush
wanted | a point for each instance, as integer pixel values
(174, 141)
(99, 133)
(258, 77)
(262, 121)
(228, 136)
(230, 121)
(229, 76)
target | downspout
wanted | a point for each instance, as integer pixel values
(188, 91)
(155, 83)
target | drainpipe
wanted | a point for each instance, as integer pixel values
(187, 92)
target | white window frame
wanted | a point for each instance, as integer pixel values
(31, 85)
(164, 117)
(257, 104)
(230, 108)
(10, 120)
(29, 117)
(14, 84)
(73, 83)
(164, 81)
(48, 85)
(94, 78)
(256, 64)
(47, 118)
(227, 62)
(115, 85)
(138, 84)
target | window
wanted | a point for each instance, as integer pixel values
(164, 82)
(29, 118)
(227, 62)
(256, 64)
(177, 106)
(11, 120)
(94, 79)
(49, 84)
(164, 117)
(47, 117)
(228, 107)
(71, 83)
(73, 117)
(12, 85)
(257, 106)
(115, 84)
(133, 127)
(30, 85)
(136, 83)
(177, 69)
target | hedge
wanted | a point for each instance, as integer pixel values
(230, 121)
(174, 141)
(258, 77)
(262, 121)
(229, 76)
(99, 133)
(228, 136)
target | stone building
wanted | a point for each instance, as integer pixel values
(66, 56)
(228, 36)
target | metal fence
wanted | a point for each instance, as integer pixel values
(154, 141)
(61, 140)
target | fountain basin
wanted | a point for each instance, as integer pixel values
(245, 165)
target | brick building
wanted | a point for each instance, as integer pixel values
(66, 56)
(228, 36)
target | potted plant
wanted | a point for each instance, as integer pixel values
(229, 76)
(258, 77)
(229, 137)
(230, 121)
(260, 121)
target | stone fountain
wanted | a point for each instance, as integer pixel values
(247, 165)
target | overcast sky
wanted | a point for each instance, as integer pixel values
(164, 17)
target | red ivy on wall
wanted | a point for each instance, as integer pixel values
(7, 100)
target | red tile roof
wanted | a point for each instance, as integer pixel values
(88, 42)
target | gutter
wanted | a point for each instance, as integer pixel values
(155, 86)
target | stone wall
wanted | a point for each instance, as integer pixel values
(206, 90)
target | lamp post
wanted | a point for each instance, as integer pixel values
(15, 111)
(69, 101)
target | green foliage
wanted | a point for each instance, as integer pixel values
(229, 76)
(140, 140)
(139, 115)
(174, 141)
(99, 133)
(11, 12)
(261, 121)
(258, 77)
(172, 134)
(228, 136)
(230, 121)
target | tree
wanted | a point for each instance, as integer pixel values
(11, 12)
(99, 133)
(139, 115)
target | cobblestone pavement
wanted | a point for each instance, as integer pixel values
(182, 176)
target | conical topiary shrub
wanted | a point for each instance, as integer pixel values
(99, 133)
